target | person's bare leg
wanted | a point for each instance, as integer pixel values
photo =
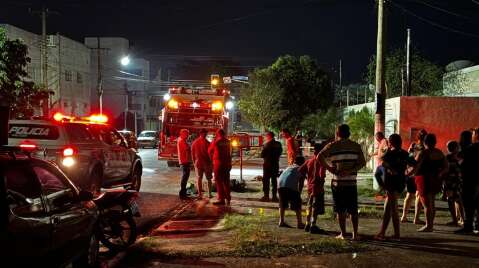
(428, 212)
(386, 218)
(199, 186)
(355, 221)
(418, 204)
(299, 219)
(281, 216)
(460, 208)
(210, 188)
(342, 224)
(407, 204)
(395, 216)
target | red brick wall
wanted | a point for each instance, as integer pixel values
(446, 117)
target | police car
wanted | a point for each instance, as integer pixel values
(92, 153)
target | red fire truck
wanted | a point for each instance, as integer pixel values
(191, 109)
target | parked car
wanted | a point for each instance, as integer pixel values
(46, 220)
(148, 138)
(93, 154)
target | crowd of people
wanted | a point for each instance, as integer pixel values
(423, 170)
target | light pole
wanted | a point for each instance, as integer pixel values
(125, 61)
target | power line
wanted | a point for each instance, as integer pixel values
(444, 10)
(446, 28)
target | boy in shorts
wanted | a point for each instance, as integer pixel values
(290, 185)
(315, 177)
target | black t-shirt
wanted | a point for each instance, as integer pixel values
(397, 161)
(271, 153)
(470, 167)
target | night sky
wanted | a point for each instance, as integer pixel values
(255, 32)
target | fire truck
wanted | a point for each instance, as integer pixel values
(192, 109)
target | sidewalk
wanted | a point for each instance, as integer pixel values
(246, 235)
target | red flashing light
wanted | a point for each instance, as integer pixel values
(68, 151)
(98, 118)
(27, 146)
(58, 116)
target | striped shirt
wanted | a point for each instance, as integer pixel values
(345, 156)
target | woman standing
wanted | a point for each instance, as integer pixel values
(395, 161)
(429, 171)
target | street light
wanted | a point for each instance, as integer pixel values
(229, 105)
(125, 61)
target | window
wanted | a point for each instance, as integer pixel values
(78, 133)
(68, 75)
(57, 193)
(79, 78)
(23, 191)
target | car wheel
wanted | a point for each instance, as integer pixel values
(136, 180)
(90, 257)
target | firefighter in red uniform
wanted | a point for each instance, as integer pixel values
(220, 153)
(184, 158)
(202, 162)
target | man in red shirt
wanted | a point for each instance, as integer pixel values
(202, 162)
(220, 153)
(291, 146)
(184, 158)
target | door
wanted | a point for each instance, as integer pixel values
(29, 228)
(124, 158)
(71, 220)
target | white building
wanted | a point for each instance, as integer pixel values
(462, 79)
(68, 69)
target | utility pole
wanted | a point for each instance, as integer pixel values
(126, 103)
(379, 119)
(99, 85)
(99, 78)
(380, 85)
(408, 63)
(60, 101)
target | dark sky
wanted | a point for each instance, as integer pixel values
(255, 32)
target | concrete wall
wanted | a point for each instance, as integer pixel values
(446, 117)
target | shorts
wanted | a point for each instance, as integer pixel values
(289, 198)
(345, 199)
(411, 185)
(316, 202)
(206, 171)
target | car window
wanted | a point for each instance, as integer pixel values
(148, 134)
(23, 191)
(116, 137)
(57, 193)
(78, 133)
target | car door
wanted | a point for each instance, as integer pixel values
(122, 154)
(29, 227)
(71, 220)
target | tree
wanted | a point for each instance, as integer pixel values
(22, 94)
(321, 125)
(296, 86)
(426, 77)
(261, 101)
(361, 124)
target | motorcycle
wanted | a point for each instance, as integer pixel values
(116, 226)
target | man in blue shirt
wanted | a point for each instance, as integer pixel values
(290, 185)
